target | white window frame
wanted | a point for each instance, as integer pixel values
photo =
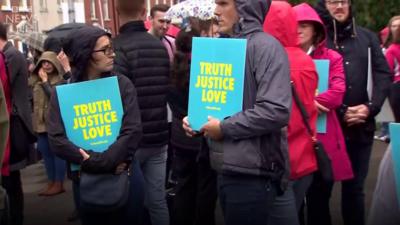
(59, 10)
(23, 6)
(93, 10)
(106, 10)
(43, 5)
(6, 5)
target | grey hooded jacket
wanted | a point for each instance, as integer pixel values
(254, 140)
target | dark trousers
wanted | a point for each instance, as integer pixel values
(246, 199)
(196, 190)
(13, 186)
(353, 196)
(318, 197)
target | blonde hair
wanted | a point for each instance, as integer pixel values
(390, 40)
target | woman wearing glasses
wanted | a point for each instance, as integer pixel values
(91, 54)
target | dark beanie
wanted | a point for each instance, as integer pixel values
(79, 46)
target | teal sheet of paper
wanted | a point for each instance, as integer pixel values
(92, 113)
(216, 79)
(322, 67)
(394, 130)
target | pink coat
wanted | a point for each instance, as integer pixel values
(333, 139)
(393, 58)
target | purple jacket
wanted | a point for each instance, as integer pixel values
(333, 139)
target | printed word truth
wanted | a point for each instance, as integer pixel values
(216, 69)
(92, 108)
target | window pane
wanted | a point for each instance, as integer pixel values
(93, 9)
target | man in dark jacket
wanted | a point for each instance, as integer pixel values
(21, 132)
(144, 60)
(368, 79)
(4, 128)
(249, 149)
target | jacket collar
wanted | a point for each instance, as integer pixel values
(7, 46)
(131, 26)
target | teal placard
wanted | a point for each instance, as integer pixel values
(92, 112)
(216, 79)
(394, 130)
(322, 67)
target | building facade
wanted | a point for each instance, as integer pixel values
(102, 12)
(51, 13)
(17, 15)
(47, 13)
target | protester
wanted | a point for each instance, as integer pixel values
(312, 38)
(144, 60)
(4, 140)
(195, 193)
(393, 59)
(281, 23)
(45, 76)
(160, 26)
(21, 133)
(249, 149)
(362, 101)
(91, 54)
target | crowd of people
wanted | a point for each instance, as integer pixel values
(260, 164)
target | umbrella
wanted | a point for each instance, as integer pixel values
(202, 9)
(63, 30)
(35, 40)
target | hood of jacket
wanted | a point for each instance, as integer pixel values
(51, 57)
(305, 13)
(79, 46)
(281, 23)
(251, 16)
(337, 30)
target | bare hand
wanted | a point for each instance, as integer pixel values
(84, 154)
(43, 75)
(321, 108)
(62, 57)
(212, 129)
(31, 67)
(120, 168)
(186, 126)
(356, 114)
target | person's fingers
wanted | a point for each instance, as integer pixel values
(188, 134)
(84, 154)
(321, 107)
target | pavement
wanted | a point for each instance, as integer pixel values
(55, 210)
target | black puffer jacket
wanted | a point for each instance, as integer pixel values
(144, 60)
(353, 42)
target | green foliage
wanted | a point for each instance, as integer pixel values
(373, 14)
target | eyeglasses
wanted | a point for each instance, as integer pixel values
(336, 3)
(108, 50)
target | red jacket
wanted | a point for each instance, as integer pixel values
(281, 23)
(332, 140)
